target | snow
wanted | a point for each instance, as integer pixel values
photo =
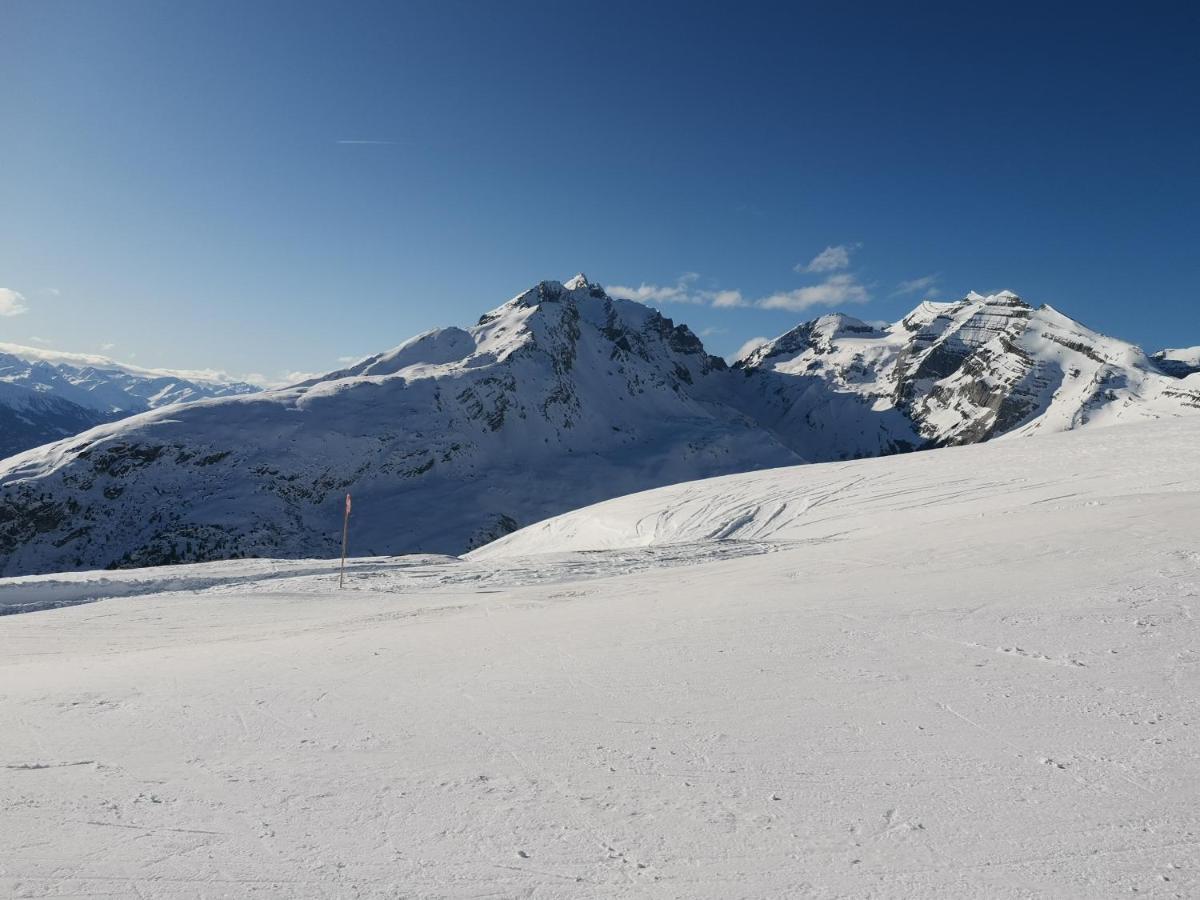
(68, 360)
(1188, 355)
(962, 673)
(954, 373)
(46, 394)
(1180, 362)
(556, 399)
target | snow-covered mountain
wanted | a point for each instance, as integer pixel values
(1178, 363)
(952, 373)
(46, 395)
(560, 397)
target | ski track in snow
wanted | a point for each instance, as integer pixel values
(966, 673)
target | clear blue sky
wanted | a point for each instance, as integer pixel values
(173, 180)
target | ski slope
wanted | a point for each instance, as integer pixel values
(961, 673)
(836, 501)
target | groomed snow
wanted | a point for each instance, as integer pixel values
(963, 673)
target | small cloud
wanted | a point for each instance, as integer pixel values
(283, 379)
(924, 284)
(382, 143)
(293, 377)
(12, 303)
(831, 259)
(38, 340)
(104, 348)
(679, 292)
(833, 291)
(836, 289)
(711, 330)
(749, 347)
(53, 292)
(726, 299)
(347, 360)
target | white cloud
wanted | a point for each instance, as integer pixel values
(104, 348)
(38, 340)
(294, 377)
(726, 299)
(749, 347)
(922, 285)
(679, 292)
(831, 259)
(833, 291)
(12, 303)
(711, 330)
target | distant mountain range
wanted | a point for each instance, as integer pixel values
(46, 395)
(560, 397)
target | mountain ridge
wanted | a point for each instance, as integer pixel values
(51, 394)
(559, 397)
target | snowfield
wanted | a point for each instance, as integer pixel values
(960, 673)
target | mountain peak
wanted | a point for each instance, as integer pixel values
(1000, 298)
(579, 281)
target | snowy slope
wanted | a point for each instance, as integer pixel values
(1179, 363)
(556, 399)
(53, 394)
(954, 373)
(30, 417)
(827, 501)
(967, 673)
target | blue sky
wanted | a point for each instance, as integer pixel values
(180, 183)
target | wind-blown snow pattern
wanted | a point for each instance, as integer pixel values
(968, 673)
(827, 501)
(558, 398)
(46, 395)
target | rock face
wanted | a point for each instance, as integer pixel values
(559, 398)
(958, 373)
(46, 395)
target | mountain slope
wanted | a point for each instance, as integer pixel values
(558, 398)
(46, 395)
(29, 418)
(1178, 363)
(813, 505)
(956, 373)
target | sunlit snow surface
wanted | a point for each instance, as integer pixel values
(959, 673)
